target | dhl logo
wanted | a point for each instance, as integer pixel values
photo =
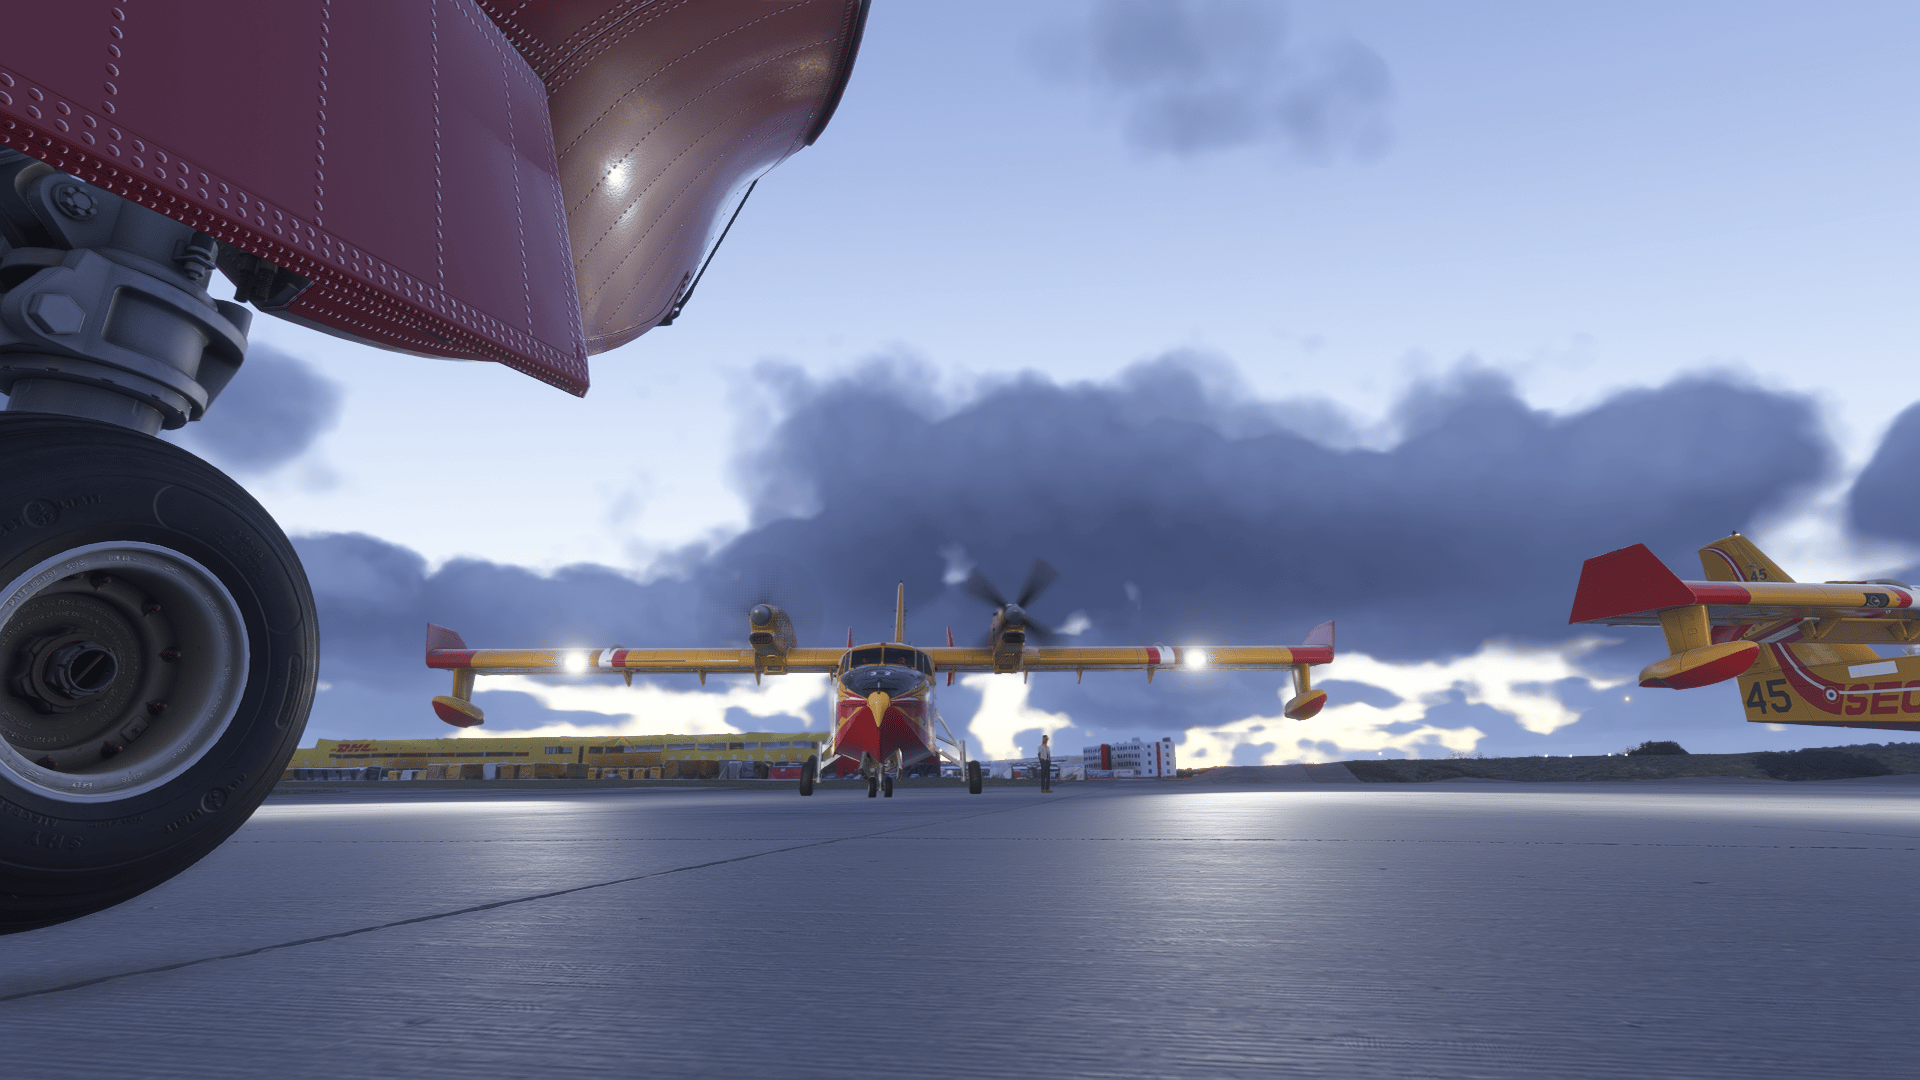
(349, 747)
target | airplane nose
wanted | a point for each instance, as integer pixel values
(877, 703)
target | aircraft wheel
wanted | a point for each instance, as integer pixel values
(873, 785)
(807, 772)
(973, 778)
(158, 647)
(886, 786)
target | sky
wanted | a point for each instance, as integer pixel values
(1244, 316)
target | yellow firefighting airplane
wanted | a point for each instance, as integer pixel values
(883, 713)
(1801, 652)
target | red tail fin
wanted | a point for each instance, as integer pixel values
(1630, 581)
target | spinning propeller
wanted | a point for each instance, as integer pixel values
(1013, 614)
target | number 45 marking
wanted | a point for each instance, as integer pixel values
(1775, 690)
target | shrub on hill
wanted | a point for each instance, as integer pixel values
(1650, 748)
(1818, 765)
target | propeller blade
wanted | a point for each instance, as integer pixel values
(1040, 631)
(979, 587)
(1038, 579)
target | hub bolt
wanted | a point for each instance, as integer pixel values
(75, 202)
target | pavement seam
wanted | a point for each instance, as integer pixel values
(82, 984)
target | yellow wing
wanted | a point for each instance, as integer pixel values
(1135, 658)
(611, 660)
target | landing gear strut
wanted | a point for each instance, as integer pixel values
(158, 644)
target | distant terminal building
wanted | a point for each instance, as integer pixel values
(741, 755)
(1136, 758)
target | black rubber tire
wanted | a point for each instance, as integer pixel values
(973, 778)
(873, 786)
(66, 483)
(886, 786)
(807, 772)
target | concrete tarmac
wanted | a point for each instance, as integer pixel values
(1465, 929)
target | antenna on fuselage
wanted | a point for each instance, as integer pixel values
(900, 614)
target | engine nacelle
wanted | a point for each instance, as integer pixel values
(1703, 666)
(770, 632)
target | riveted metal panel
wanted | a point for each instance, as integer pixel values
(663, 112)
(397, 154)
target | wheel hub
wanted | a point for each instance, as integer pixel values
(60, 671)
(120, 665)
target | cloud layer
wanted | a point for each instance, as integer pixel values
(270, 414)
(1197, 76)
(1178, 509)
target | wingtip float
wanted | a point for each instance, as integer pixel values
(1802, 652)
(884, 718)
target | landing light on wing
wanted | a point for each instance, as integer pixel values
(1196, 658)
(576, 663)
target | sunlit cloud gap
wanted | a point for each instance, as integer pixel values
(1510, 678)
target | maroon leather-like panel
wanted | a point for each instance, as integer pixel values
(663, 111)
(397, 153)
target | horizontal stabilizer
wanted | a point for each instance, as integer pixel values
(1629, 581)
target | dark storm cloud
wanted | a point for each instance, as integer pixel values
(1176, 508)
(1879, 503)
(1193, 76)
(271, 412)
(375, 599)
(1473, 525)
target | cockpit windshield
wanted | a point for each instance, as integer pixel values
(885, 677)
(893, 655)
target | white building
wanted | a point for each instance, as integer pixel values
(1135, 758)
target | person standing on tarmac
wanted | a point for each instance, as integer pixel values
(1046, 765)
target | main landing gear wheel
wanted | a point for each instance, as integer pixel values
(886, 786)
(973, 778)
(807, 772)
(158, 647)
(873, 784)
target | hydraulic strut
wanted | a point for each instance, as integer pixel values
(104, 311)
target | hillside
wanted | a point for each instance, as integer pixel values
(1870, 759)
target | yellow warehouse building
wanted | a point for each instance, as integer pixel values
(659, 756)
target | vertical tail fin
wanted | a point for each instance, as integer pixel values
(1736, 558)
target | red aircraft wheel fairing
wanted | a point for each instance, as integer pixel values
(662, 114)
(384, 172)
(388, 172)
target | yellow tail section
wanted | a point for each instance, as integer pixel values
(1798, 681)
(1735, 558)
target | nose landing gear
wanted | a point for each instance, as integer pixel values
(158, 643)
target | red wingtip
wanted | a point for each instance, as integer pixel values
(1626, 582)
